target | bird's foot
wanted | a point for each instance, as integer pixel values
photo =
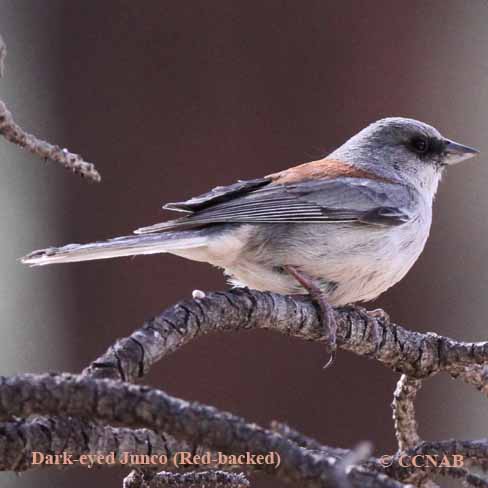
(327, 317)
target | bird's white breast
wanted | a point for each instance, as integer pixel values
(352, 262)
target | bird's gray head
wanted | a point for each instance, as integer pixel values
(404, 149)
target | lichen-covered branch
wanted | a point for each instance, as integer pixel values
(376, 337)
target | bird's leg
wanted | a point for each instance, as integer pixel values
(326, 312)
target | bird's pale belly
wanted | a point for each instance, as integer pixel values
(351, 264)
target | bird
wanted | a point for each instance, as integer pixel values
(343, 229)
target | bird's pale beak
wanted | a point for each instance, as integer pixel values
(455, 152)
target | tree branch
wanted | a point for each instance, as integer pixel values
(117, 403)
(474, 452)
(303, 459)
(202, 479)
(21, 438)
(406, 424)
(12, 132)
(376, 337)
(76, 437)
(404, 412)
(15, 134)
(372, 335)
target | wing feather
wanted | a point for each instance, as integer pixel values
(342, 199)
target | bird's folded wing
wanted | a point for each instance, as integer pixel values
(341, 199)
(217, 195)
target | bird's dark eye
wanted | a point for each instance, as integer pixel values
(420, 144)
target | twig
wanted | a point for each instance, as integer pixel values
(404, 412)
(3, 55)
(406, 424)
(476, 375)
(11, 131)
(15, 134)
(409, 440)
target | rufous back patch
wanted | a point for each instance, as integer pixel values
(323, 168)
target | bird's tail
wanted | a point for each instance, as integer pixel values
(121, 246)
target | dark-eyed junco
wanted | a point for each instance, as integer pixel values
(344, 228)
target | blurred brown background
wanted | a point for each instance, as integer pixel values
(170, 98)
